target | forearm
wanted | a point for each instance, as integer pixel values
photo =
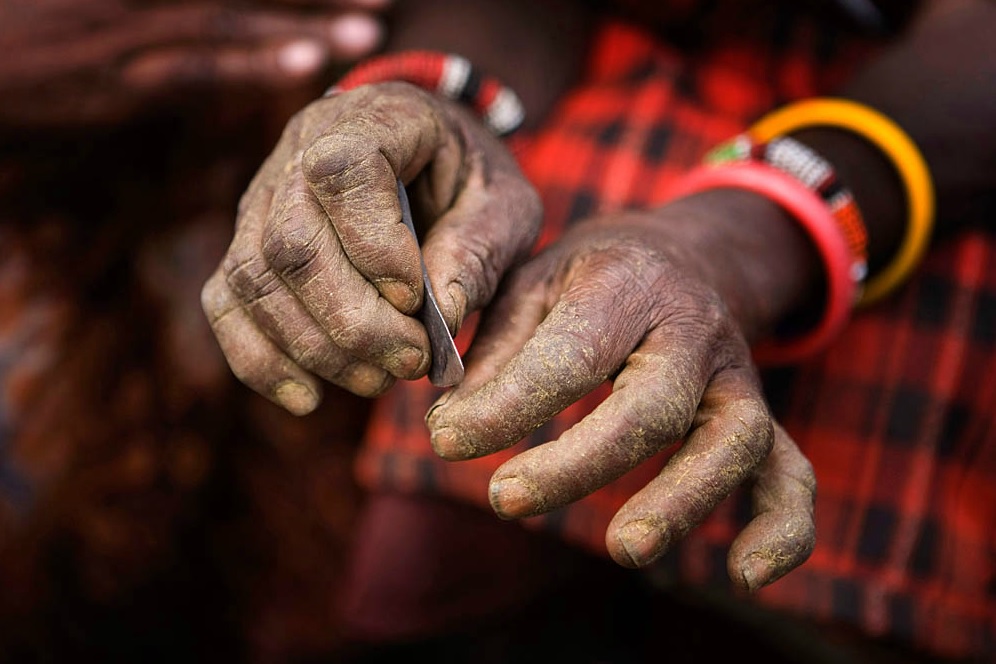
(938, 82)
(534, 47)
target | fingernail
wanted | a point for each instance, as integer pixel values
(296, 397)
(408, 361)
(756, 572)
(301, 58)
(434, 408)
(643, 540)
(511, 498)
(401, 296)
(450, 445)
(366, 380)
(355, 34)
(458, 301)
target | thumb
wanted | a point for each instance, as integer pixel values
(379, 133)
(491, 227)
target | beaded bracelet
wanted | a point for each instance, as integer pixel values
(817, 173)
(807, 208)
(902, 152)
(451, 76)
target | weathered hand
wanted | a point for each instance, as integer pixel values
(632, 298)
(322, 277)
(82, 62)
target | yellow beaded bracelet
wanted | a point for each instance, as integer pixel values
(897, 146)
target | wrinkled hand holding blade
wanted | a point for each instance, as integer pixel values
(447, 367)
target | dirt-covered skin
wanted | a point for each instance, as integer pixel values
(321, 279)
(647, 301)
(322, 276)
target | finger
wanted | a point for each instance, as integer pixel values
(353, 167)
(261, 66)
(730, 438)
(582, 341)
(302, 250)
(274, 307)
(492, 225)
(782, 533)
(347, 35)
(281, 316)
(652, 405)
(505, 326)
(252, 355)
(253, 358)
(503, 329)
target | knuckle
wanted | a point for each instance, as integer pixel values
(338, 157)
(754, 435)
(696, 307)
(566, 353)
(248, 276)
(250, 279)
(313, 350)
(291, 247)
(481, 269)
(668, 410)
(521, 200)
(585, 358)
(309, 349)
(352, 329)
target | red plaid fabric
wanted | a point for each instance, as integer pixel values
(897, 417)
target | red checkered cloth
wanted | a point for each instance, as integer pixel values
(897, 418)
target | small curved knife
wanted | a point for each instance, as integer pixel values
(447, 367)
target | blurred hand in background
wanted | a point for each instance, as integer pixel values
(89, 62)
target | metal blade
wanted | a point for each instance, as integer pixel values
(447, 367)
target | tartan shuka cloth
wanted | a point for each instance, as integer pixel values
(897, 417)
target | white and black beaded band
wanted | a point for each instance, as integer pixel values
(815, 172)
(449, 75)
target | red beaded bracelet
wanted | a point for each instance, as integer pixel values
(813, 170)
(446, 74)
(811, 212)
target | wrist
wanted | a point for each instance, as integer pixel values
(874, 183)
(758, 259)
(905, 159)
(799, 337)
